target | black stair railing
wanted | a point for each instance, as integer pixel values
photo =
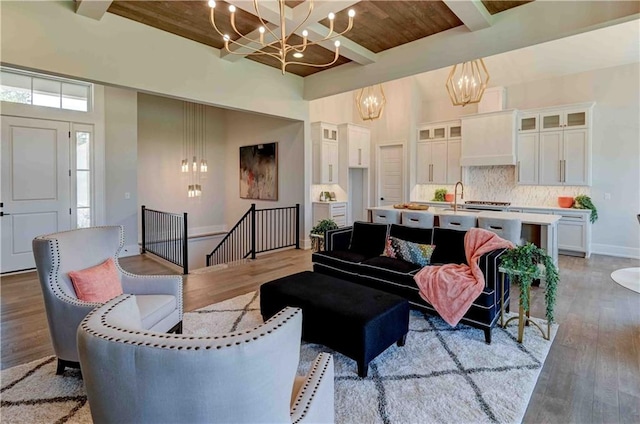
(165, 235)
(258, 231)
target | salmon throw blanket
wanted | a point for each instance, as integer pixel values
(452, 288)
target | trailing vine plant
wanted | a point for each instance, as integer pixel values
(521, 265)
(584, 202)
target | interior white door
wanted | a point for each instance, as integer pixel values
(390, 175)
(35, 186)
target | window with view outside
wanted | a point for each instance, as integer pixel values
(83, 179)
(41, 90)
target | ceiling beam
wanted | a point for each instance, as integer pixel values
(94, 9)
(270, 13)
(523, 28)
(472, 13)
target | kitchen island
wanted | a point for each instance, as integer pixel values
(539, 229)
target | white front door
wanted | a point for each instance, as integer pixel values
(390, 175)
(35, 186)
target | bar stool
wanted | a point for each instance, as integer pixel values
(417, 219)
(457, 222)
(508, 229)
(385, 216)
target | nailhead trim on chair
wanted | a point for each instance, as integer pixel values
(307, 387)
(176, 337)
(52, 277)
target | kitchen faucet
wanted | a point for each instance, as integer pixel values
(455, 195)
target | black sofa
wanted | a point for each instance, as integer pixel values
(354, 254)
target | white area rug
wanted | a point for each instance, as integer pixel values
(628, 277)
(442, 374)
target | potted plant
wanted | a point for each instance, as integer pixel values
(521, 265)
(439, 195)
(584, 202)
(324, 225)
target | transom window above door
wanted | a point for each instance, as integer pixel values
(43, 90)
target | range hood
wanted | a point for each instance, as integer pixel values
(489, 139)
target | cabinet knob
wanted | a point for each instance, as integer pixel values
(382, 198)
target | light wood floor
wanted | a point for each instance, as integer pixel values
(592, 373)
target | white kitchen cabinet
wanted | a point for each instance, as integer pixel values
(554, 146)
(489, 139)
(438, 153)
(565, 157)
(454, 131)
(528, 123)
(324, 137)
(358, 140)
(574, 232)
(433, 132)
(431, 162)
(570, 118)
(527, 166)
(330, 210)
(574, 228)
(454, 170)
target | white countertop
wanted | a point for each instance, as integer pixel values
(549, 208)
(526, 218)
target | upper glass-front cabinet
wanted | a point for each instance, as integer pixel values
(574, 119)
(455, 131)
(433, 133)
(529, 123)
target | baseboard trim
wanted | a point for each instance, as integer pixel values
(207, 230)
(619, 251)
(129, 250)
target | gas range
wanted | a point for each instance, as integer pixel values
(486, 205)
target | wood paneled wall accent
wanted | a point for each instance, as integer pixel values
(382, 25)
(188, 19)
(497, 6)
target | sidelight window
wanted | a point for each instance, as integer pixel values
(83, 135)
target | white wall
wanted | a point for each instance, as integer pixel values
(244, 129)
(161, 184)
(121, 156)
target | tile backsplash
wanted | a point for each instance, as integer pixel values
(341, 195)
(498, 183)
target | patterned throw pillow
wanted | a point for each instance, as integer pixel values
(419, 254)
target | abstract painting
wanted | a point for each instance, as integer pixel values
(259, 171)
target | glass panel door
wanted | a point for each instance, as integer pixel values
(551, 121)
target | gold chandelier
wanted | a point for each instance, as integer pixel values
(370, 102)
(466, 82)
(279, 48)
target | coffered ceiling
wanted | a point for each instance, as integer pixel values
(378, 26)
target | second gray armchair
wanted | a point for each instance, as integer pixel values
(159, 298)
(138, 376)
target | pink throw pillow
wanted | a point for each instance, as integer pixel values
(99, 283)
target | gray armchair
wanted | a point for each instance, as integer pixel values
(134, 375)
(159, 296)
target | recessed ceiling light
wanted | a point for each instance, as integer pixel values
(298, 55)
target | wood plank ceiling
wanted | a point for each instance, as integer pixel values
(378, 26)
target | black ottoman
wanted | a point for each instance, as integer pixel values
(355, 320)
